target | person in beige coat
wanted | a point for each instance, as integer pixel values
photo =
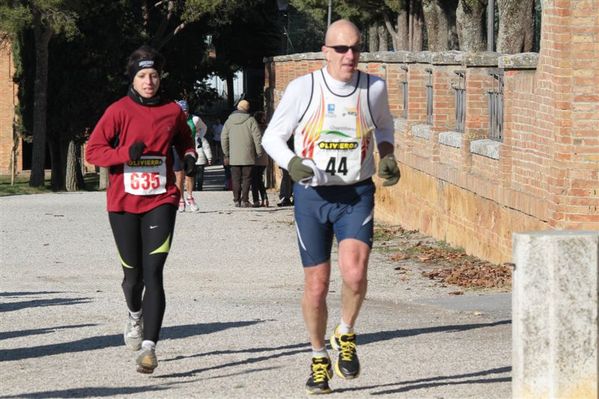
(240, 141)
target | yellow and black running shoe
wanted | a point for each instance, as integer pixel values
(320, 374)
(347, 365)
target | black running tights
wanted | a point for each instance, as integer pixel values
(143, 242)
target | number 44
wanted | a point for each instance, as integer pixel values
(332, 168)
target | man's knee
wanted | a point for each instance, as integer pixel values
(316, 283)
(316, 291)
(353, 262)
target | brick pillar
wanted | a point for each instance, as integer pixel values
(478, 83)
(417, 90)
(444, 65)
(568, 79)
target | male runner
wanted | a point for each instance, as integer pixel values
(336, 115)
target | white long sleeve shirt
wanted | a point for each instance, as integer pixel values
(300, 107)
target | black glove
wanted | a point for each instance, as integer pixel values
(389, 170)
(189, 165)
(136, 149)
(297, 170)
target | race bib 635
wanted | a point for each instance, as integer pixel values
(146, 176)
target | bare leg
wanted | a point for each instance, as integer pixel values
(314, 305)
(179, 175)
(189, 186)
(353, 263)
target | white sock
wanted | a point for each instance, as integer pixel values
(148, 345)
(345, 328)
(135, 315)
(322, 352)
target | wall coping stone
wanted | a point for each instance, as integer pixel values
(295, 57)
(481, 59)
(486, 147)
(422, 130)
(400, 124)
(519, 61)
(423, 57)
(451, 139)
(451, 57)
(387, 56)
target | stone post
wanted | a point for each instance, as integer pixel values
(555, 323)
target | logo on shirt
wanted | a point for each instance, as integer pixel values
(351, 111)
(145, 163)
(338, 145)
(331, 109)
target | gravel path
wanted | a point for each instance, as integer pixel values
(233, 326)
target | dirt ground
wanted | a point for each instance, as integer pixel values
(413, 252)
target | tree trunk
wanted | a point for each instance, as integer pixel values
(230, 90)
(71, 180)
(79, 168)
(516, 26)
(392, 33)
(400, 33)
(383, 38)
(470, 24)
(42, 36)
(373, 38)
(14, 151)
(403, 30)
(439, 18)
(416, 29)
(103, 179)
(58, 157)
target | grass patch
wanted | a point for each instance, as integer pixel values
(21, 185)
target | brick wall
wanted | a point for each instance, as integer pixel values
(8, 100)
(474, 192)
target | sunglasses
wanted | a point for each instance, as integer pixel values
(344, 49)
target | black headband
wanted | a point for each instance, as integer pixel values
(143, 64)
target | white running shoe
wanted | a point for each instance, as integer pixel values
(134, 333)
(181, 205)
(191, 203)
(147, 361)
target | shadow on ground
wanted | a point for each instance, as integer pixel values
(114, 340)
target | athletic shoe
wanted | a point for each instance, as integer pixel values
(134, 333)
(285, 202)
(320, 374)
(347, 365)
(146, 361)
(181, 205)
(191, 203)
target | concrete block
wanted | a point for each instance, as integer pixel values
(554, 305)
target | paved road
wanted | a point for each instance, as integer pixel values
(233, 326)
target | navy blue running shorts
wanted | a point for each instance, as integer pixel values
(324, 212)
(177, 164)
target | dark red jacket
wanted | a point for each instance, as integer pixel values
(125, 122)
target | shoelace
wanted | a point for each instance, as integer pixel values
(348, 348)
(319, 372)
(135, 328)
